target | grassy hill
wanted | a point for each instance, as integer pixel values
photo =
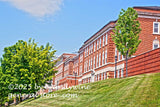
(136, 91)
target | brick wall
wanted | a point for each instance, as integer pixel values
(148, 62)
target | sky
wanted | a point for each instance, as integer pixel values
(65, 24)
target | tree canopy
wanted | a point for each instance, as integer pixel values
(27, 65)
(126, 32)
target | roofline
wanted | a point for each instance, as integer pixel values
(100, 29)
(147, 8)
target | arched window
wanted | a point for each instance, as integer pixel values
(155, 43)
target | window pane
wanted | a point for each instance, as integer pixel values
(156, 30)
(155, 46)
(156, 27)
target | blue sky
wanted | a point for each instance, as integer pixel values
(64, 23)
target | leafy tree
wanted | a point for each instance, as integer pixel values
(3, 88)
(29, 65)
(126, 33)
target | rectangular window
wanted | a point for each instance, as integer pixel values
(103, 57)
(87, 51)
(121, 72)
(84, 66)
(102, 76)
(94, 46)
(87, 65)
(98, 77)
(91, 63)
(94, 62)
(97, 60)
(100, 59)
(115, 51)
(97, 44)
(122, 57)
(103, 40)
(118, 74)
(106, 39)
(95, 78)
(156, 27)
(100, 43)
(119, 56)
(106, 56)
(80, 70)
(155, 46)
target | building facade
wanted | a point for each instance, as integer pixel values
(98, 58)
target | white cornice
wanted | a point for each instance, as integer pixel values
(150, 17)
(92, 40)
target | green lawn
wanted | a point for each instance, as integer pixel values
(136, 91)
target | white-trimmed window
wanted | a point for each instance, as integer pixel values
(106, 39)
(106, 56)
(101, 76)
(81, 57)
(94, 62)
(94, 46)
(99, 59)
(156, 27)
(84, 66)
(87, 65)
(91, 63)
(121, 72)
(118, 74)
(95, 77)
(119, 56)
(80, 69)
(115, 51)
(103, 40)
(103, 61)
(97, 44)
(87, 51)
(122, 57)
(100, 43)
(156, 44)
(98, 76)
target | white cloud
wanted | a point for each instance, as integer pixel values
(38, 8)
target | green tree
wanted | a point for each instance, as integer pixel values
(3, 88)
(27, 64)
(126, 33)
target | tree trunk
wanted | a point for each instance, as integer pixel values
(20, 99)
(16, 100)
(126, 64)
(35, 95)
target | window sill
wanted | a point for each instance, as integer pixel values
(156, 33)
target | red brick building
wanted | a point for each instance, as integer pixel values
(96, 57)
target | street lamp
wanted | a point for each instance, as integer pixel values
(115, 66)
(75, 73)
